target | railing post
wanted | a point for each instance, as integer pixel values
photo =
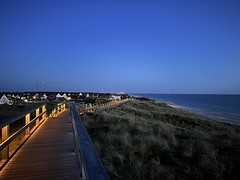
(27, 120)
(55, 113)
(5, 135)
(37, 114)
(58, 109)
(43, 110)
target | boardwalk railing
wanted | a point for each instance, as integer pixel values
(24, 132)
(58, 109)
(90, 164)
(98, 107)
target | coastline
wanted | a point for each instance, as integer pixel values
(224, 117)
(211, 115)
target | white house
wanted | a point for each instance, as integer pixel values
(58, 96)
(115, 97)
(4, 100)
(23, 98)
(63, 96)
(44, 96)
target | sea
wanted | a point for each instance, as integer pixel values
(224, 108)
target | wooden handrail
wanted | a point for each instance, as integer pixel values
(4, 125)
(91, 166)
(20, 131)
(12, 119)
(98, 107)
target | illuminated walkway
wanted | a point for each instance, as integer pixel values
(48, 154)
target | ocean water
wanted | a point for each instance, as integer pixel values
(225, 108)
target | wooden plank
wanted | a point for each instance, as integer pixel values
(48, 154)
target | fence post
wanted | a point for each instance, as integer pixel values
(58, 109)
(5, 135)
(27, 120)
(43, 110)
(37, 114)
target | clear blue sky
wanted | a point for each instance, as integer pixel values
(187, 46)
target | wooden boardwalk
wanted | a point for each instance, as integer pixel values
(48, 154)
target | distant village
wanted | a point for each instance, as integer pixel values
(30, 97)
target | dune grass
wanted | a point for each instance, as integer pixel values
(146, 139)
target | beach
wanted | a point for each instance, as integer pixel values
(223, 108)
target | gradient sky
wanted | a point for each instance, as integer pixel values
(187, 46)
